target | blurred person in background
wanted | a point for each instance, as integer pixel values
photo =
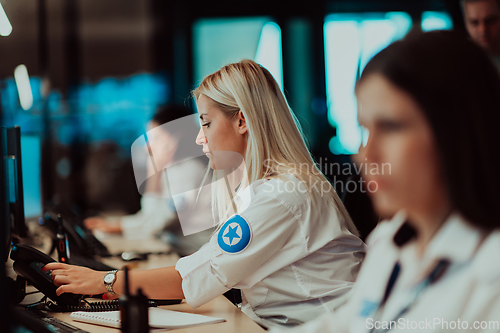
(433, 116)
(482, 20)
(158, 216)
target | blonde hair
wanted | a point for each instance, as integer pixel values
(275, 145)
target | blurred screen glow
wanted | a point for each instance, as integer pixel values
(5, 26)
(351, 40)
(110, 111)
(436, 21)
(23, 87)
(220, 41)
(31, 159)
(269, 51)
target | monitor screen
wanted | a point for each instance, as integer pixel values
(16, 183)
(31, 159)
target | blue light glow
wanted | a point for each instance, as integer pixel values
(269, 52)
(436, 21)
(351, 40)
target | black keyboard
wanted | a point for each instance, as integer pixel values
(90, 263)
(101, 306)
(39, 321)
(99, 248)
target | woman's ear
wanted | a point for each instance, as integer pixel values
(242, 123)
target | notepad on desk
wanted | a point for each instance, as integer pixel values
(158, 318)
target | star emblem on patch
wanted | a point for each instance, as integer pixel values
(232, 235)
(235, 235)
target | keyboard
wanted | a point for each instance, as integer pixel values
(99, 248)
(39, 321)
(90, 263)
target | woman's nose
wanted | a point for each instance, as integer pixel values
(201, 138)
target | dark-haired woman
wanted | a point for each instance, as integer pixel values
(431, 106)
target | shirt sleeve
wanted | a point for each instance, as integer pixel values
(211, 271)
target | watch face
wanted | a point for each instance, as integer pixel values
(108, 278)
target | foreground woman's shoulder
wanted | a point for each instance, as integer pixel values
(484, 264)
(286, 189)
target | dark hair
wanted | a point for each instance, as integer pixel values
(463, 2)
(167, 113)
(458, 88)
(185, 133)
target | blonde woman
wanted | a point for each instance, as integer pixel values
(284, 237)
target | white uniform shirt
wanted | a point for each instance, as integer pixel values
(158, 211)
(465, 297)
(300, 262)
(154, 215)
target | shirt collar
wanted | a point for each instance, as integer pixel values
(243, 196)
(456, 240)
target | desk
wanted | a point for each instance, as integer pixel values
(236, 321)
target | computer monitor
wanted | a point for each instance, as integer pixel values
(15, 172)
(4, 228)
(31, 148)
(5, 218)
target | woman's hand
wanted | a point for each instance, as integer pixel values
(101, 224)
(76, 279)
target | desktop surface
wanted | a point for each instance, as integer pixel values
(236, 321)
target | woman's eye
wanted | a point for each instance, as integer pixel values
(391, 126)
(206, 124)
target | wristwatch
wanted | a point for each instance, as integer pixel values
(109, 280)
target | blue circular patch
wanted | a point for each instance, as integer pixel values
(235, 235)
